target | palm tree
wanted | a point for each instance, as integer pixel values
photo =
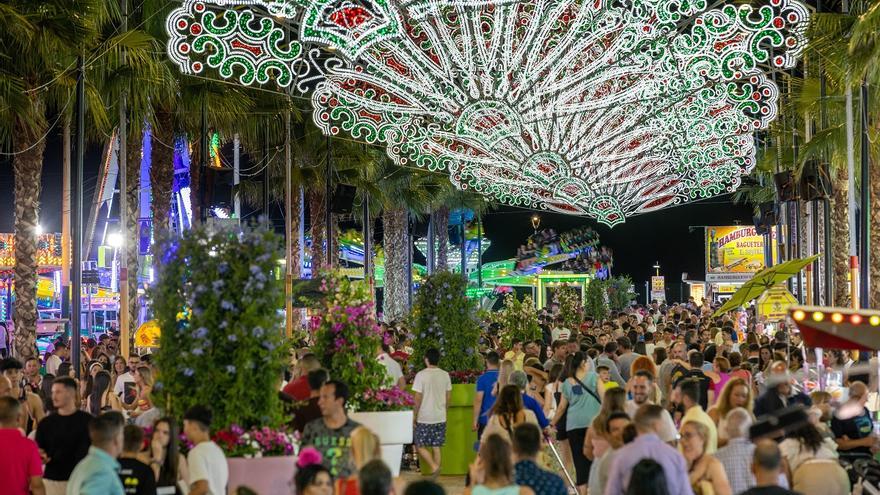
(131, 66)
(40, 43)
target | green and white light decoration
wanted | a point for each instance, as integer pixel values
(594, 107)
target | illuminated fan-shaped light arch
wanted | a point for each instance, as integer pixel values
(593, 107)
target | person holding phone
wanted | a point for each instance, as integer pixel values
(581, 399)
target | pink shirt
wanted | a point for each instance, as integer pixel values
(19, 461)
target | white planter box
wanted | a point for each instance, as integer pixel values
(394, 429)
(264, 475)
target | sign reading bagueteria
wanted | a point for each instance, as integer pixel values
(734, 254)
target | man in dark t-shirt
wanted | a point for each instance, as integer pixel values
(331, 433)
(137, 477)
(854, 434)
(63, 437)
(308, 411)
(695, 359)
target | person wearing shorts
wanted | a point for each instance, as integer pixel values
(431, 387)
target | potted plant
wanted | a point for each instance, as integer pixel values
(217, 302)
(445, 319)
(346, 339)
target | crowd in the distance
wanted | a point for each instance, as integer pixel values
(670, 400)
(654, 400)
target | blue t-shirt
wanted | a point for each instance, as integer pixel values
(582, 406)
(485, 384)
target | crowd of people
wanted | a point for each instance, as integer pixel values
(661, 400)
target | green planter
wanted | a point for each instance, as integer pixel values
(458, 452)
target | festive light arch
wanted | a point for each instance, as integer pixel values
(594, 107)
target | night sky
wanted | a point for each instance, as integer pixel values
(665, 236)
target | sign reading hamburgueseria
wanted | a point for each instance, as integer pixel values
(734, 253)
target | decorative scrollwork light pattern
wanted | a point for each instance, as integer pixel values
(594, 107)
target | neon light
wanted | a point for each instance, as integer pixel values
(593, 108)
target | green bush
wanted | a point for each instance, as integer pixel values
(444, 318)
(218, 301)
(595, 304)
(620, 293)
(518, 320)
(570, 307)
(346, 337)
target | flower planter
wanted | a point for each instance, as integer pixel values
(264, 475)
(394, 429)
(458, 453)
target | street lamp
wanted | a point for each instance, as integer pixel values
(114, 240)
(536, 222)
(657, 268)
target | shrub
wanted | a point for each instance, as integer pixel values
(346, 337)
(595, 304)
(218, 301)
(518, 320)
(620, 293)
(570, 307)
(444, 318)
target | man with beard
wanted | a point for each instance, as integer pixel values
(642, 387)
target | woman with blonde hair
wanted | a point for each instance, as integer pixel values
(142, 409)
(504, 371)
(705, 472)
(736, 393)
(365, 447)
(596, 443)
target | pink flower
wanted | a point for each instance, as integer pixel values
(307, 457)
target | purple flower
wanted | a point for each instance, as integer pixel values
(228, 306)
(188, 372)
(201, 332)
(258, 332)
(198, 351)
(230, 368)
(223, 267)
(231, 337)
(217, 285)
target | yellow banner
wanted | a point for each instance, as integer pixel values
(734, 254)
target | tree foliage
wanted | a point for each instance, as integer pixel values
(445, 319)
(518, 320)
(218, 301)
(620, 292)
(595, 305)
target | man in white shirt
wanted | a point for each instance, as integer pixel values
(642, 388)
(54, 360)
(120, 386)
(392, 367)
(560, 333)
(432, 387)
(208, 471)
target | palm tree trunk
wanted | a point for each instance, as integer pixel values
(441, 232)
(132, 197)
(394, 241)
(316, 220)
(27, 164)
(295, 212)
(162, 172)
(875, 233)
(840, 238)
